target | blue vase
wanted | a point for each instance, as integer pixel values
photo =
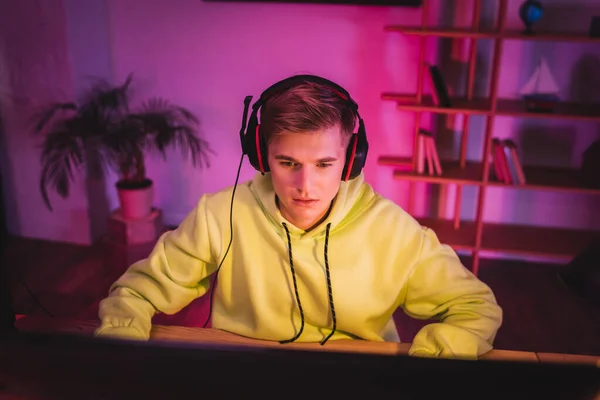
(530, 12)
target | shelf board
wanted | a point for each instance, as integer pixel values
(558, 243)
(548, 242)
(538, 178)
(399, 97)
(490, 34)
(451, 173)
(550, 36)
(408, 102)
(504, 107)
(564, 110)
(549, 178)
(395, 161)
(441, 32)
(462, 238)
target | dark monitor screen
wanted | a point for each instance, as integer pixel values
(69, 367)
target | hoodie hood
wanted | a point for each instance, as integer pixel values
(352, 198)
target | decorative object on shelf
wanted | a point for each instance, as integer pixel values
(590, 166)
(541, 91)
(530, 12)
(105, 125)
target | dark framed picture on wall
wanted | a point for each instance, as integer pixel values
(396, 3)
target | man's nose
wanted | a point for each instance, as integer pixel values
(304, 181)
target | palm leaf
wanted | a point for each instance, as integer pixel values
(167, 125)
(193, 146)
(104, 105)
(43, 118)
(62, 153)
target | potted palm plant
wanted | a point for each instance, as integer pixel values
(104, 123)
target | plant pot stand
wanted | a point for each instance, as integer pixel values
(130, 240)
(135, 231)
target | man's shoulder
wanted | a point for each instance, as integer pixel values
(379, 202)
(221, 199)
(389, 206)
(390, 212)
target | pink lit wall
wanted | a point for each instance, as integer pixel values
(209, 56)
(35, 70)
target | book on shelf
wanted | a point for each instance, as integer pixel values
(440, 93)
(427, 156)
(506, 163)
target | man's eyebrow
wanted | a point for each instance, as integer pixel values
(288, 158)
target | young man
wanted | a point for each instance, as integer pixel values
(316, 254)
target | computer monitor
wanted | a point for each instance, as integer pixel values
(7, 313)
(78, 367)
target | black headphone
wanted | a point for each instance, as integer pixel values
(255, 146)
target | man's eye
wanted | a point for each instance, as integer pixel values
(324, 165)
(288, 164)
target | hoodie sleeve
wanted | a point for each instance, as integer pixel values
(176, 272)
(441, 288)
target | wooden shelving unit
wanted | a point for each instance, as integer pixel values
(477, 236)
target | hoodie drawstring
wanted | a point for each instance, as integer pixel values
(329, 289)
(295, 287)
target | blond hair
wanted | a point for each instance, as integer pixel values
(306, 107)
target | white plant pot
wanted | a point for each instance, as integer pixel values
(137, 202)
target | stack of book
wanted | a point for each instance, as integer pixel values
(505, 160)
(427, 157)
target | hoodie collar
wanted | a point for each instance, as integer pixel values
(261, 187)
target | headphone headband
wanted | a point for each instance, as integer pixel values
(295, 80)
(255, 146)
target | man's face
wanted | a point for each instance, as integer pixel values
(306, 170)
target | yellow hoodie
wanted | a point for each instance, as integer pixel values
(379, 258)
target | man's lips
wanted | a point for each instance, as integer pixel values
(305, 202)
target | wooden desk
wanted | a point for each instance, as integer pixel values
(215, 336)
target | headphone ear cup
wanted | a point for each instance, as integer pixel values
(263, 154)
(254, 146)
(356, 155)
(249, 143)
(350, 152)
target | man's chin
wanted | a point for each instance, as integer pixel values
(305, 221)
